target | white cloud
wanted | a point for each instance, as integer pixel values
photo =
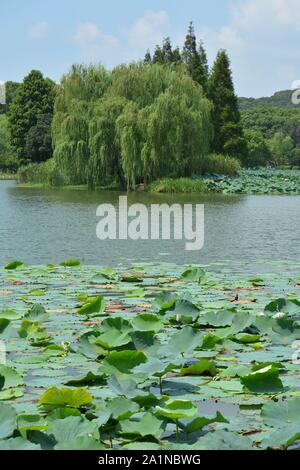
(267, 12)
(149, 29)
(93, 42)
(262, 38)
(39, 30)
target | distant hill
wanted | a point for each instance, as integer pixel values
(281, 99)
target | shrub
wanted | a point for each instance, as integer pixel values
(179, 185)
(220, 164)
(45, 173)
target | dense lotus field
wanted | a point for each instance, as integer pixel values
(258, 181)
(157, 356)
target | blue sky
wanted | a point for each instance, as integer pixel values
(261, 36)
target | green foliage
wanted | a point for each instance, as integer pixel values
(194, 59)
(258, 181)
(8, 162)
(259, 153)
(164, 55)
(180, 185)
(215, 163)
(45, 173)
(38, 146)
(280, 127)
(228, 131)
(169, 379)
(281, 147)
(35, 97)
(280, 99)
(116, 126)
(11, 89)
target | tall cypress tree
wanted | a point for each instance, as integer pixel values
(165, 54)
(196, 61)
(148, 58)
(228, 132)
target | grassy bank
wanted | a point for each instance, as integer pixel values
(112, 358)
(179, 185)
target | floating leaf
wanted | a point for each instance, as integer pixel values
(68, 429)
(54, 397)
(290, 306)
(148, 425)
(202, 367)
(147, 322)
(8, 420)
(198, 423)
(177, 409)
(14, 265)
(264, 380)
(94, 307)
(163, 302)
(122, 362)
(11, 377)
(193, 274)
(122, 408)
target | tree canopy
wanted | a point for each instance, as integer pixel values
(34, 97)
(116, 127)
(228, 131)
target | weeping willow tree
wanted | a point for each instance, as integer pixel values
(135, 124)
(73, 110)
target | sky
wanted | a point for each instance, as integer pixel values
(261, 36)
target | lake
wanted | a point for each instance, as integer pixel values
(50, 225)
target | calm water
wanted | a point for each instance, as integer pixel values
(40, 226)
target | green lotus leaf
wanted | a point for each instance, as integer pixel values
(193, 274)
(264, 380)
(184, 309)
(31, 422)
(122, 408)
(55, 397)
(223, 440)
(163, 302)
(72, 427)
(37, 313)
(122, 362)
(217, 319)
(148, 425)
(11, 377)
(89, 378)
(4, 322)
(289, 306)
(114, 333)
(198, 423)
(18, 443)
(202, 367)
(177, 409)
(147, 322)
(95, 307)
(80, 443)
(246, 338)
(8, 420)
(14, 265)
(10, 314)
